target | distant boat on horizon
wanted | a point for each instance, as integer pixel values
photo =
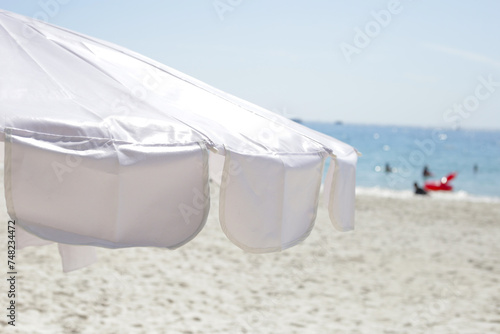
(339, 123)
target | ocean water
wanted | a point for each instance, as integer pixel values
(408, 149)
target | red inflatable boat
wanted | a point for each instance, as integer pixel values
(442, 184)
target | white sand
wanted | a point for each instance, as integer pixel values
(413, 265)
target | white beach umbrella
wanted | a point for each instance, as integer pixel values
(108, 148)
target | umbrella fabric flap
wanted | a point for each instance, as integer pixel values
(72, 257)
(25, 239)
(94, 191)
(76, 257)
(339, 191)
(271, 210)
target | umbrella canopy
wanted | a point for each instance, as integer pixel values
(108, 148)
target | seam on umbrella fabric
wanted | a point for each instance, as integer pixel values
(222, 193)
(332, 194)
(91, 241)
(337, 224)
(8, 175)
(117, 198)
(320, 152)
(282, 201)
(312, 222)
(206, 209)
(33, 134)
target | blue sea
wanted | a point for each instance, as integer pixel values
(408, 149)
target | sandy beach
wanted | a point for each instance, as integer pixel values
(412, 265)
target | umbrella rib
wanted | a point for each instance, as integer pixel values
(28, 54)
(256, 143)
(44, 70)
(88, 62)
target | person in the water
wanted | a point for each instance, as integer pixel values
(418, 190)
(388, 168)
(426, 172)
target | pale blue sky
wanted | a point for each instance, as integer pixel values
(286, 55)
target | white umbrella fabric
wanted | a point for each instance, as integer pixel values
(105, 147)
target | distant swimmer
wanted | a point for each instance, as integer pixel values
(426, 172)
(475, 168)
(418, 190)
(388, 168)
